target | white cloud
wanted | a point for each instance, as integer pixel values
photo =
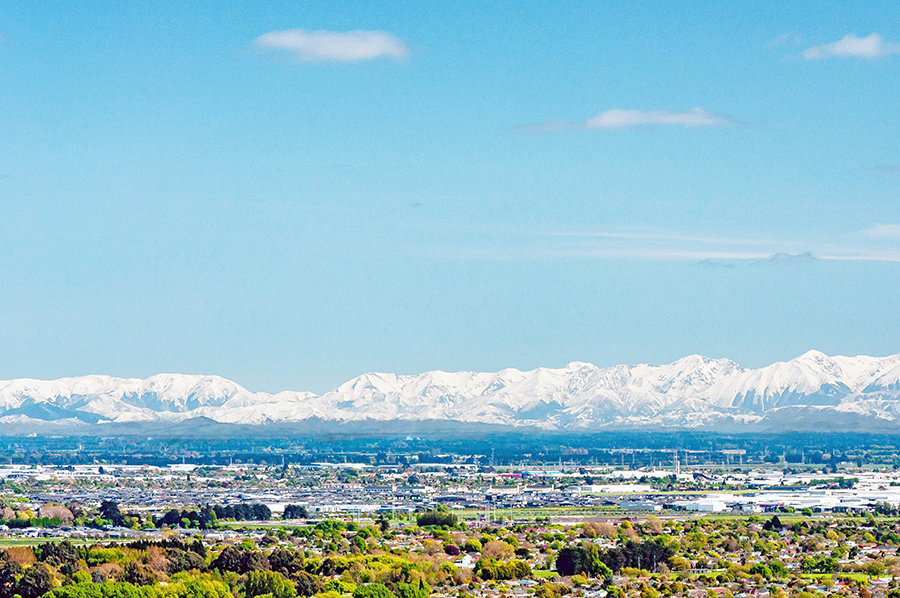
(884, 231)
(663, 236)
(617, 119)
(334, 46)
(621, 119)
(871, 46)
(789, 258)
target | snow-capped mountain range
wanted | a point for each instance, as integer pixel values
(812, 392)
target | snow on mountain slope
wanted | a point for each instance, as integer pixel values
(164, 396)
(692, 392)
(811, 379)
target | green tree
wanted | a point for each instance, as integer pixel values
(240, 560)
(109, 510)
(286, 562)
(594, 565)
(138, 574)
(37, 581)
(472, 545)
(205, 588)
(306, 584)
(418, 589)
(875, 568)
(383, 523)
(259, 583)
(436, 517)
(570, 561)
(295, 512)
(9, 577)
(373, 590)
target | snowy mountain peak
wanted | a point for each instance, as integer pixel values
(692, 392)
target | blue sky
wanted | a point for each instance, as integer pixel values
(290, 194)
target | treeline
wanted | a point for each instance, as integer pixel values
(295, 512)
(34, 522)
(85, 570)
(886, 508)
(243, 512)
(594, 561)
(438, 518)
(196, 546)
(208, 516)
(175, 568)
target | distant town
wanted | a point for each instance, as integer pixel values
(63, 499)
(610, 516)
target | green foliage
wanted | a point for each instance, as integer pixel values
(260, 583)
(198, 588)
(33, 522)
(99, 555)
(760, 569)
(472, 545)
(418, 589)
(373, 590)
(338, 585)
(205, 588)
(36, 581)
(778, 570)
(183, 560)
(205, 518)
(9, 575)
(588, 560)
(138, 574)
(442, 535)
(58, 553)
(820, 565)
(109, 510)
(439, 518)
(488, 568)
(240, 560)
(615, 592)
(295, 512)
(875, 568)
(328, 527)
(306, 584)
(106, 590)
(243, 512)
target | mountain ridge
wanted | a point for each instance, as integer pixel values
(812, 391)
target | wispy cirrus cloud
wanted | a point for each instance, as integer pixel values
(789, 38)
(776, 259)
(334, 46)
(879, 244)
(696, 117)
(622, 119)
(884, 231)
(871, 46)
(884, 169)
